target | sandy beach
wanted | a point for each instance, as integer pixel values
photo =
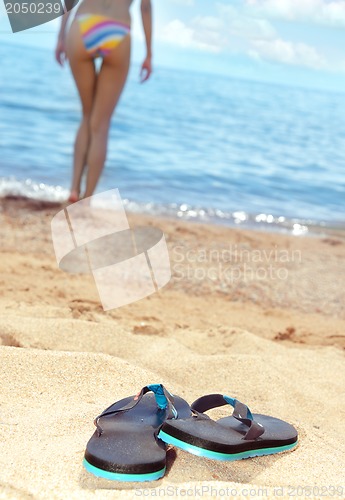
(255, 315)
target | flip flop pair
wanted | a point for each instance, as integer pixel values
(130, 440)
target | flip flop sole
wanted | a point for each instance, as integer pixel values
(227, 457)
(127, 449)
(116, 476)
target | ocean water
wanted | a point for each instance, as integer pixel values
(191, 145)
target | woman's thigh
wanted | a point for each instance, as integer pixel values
(82, 66)
(110, 82)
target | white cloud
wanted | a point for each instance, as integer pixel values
(201, 34)
(214, 34)
(326, 12)
(297, 54)
(238, 23)
(247, 28)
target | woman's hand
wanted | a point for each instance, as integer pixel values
(60, 52)
(146, 14)
(146, 69)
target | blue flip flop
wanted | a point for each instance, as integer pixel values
(124, 446)
(241, 435)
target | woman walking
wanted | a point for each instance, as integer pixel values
(101, 28)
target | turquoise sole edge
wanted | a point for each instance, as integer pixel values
(215, 455)
(115, 476)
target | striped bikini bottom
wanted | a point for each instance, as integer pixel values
(101, 34)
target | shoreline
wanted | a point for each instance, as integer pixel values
(292, 227)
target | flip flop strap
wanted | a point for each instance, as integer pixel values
(163, 397)
(241, 412)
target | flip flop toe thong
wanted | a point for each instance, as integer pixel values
(241, 435)
(124, 446)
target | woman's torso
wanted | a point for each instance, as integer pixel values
(116, 9)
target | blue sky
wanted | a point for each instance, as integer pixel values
(297, 42)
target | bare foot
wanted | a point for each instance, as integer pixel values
(73, 197)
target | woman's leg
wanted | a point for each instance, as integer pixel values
(110, 83)
(85, 76)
